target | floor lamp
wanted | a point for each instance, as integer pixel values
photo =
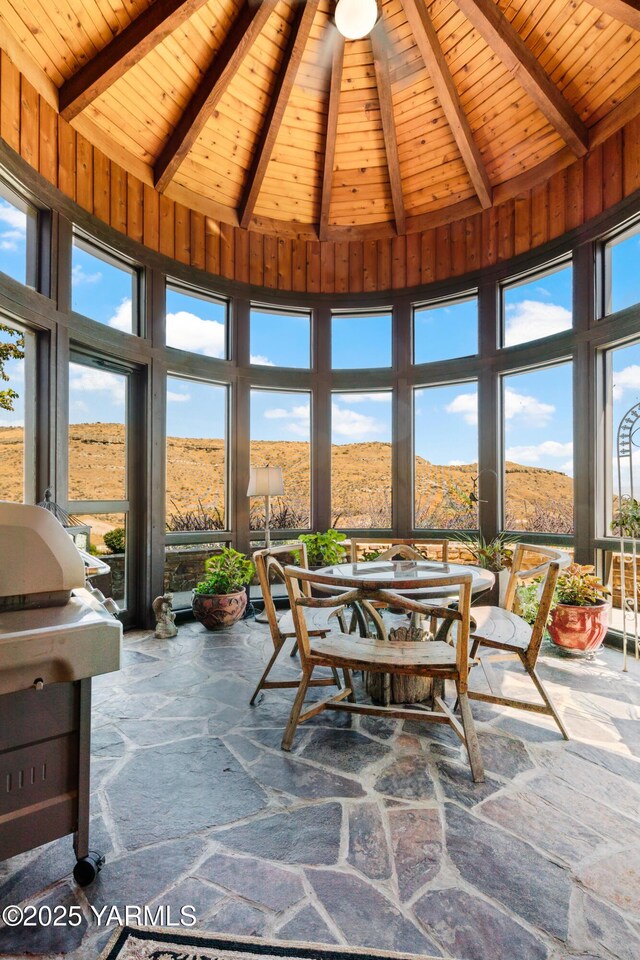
(265, 482)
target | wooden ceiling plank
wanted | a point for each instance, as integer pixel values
(126, 49)
(431, 51)
(497, 31)
(296, 44)
(241, 37)
(626, 11)
(379, 45)
(333, 106)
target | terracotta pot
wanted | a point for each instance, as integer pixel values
(579, 629)
(218, 611)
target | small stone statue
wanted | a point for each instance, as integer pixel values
(165, 617)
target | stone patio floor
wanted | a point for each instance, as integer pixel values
(370, 832)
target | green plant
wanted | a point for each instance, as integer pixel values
(578, 586)
(227, 572)
(528, 600)
(493, 554)
(323, 549)
(9, 351)
(114, 540)
(626, 520)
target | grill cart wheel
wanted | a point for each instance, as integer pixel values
(88, 868)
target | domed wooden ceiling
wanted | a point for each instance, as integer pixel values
(260, 114)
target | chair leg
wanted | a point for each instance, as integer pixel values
(267, 671)
(336, 678)
(545, 696)
(349, 684)
(471, 738)
(292, 723)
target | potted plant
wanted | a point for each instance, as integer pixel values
(324, 549)
(494, 555)
(626, 519)
(220, 599)
(580, 616)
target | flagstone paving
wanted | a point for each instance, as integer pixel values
(369, 833)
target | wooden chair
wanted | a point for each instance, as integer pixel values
(269, 568)
(433, 658)
(503, 630)
(394, 547)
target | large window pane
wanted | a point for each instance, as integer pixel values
(15, 222)
(196, 322)
(97, 433)
(280, 339)
(537, 307)
(361, 487)
(196, 455)
(17, 403)
(538, 454)
(624, 393)
(108, 539)
(445, 330)
(623, 277)
(280, 430)
(101, 289)
(360, 340)
(446, 456)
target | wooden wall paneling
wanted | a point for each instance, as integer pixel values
(135, 207)
(370, 266)
(299, 265)
(539, 215)
(458, 248)
(631, 157)
(522, 239)
(284, 263)
(575, 194)
(473, 231)
(356, 266)
(399, 262)
(342, 266)
(84, 173)
(213, 246)
(557, 204)
(383, 247)
(9, 102)
(118, 206)
(166, 226)
(413, 259)
(101, 186)
(443, 251)
(48, 148)
(270, 254)
(327, 267)
(506, 221)
(313, 266)
(151, 217)
(256, 258)
(182, 218)
(67, 159)
(428, 256)
(197, 240)
(593, 183)
(29, 123)
(241, 243)
(489, 236)
(227, 250)
(612, 165)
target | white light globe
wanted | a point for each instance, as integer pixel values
(356, 18)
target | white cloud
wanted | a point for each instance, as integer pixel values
(534, 453)
(91, 380)
(78, 276)
(626, 379)
(173, 397)
(188, 332)
(280, 413)
(534, 412)
(356, 426)
(122, 318)
(13, 217)
(531, 319)
(456, 463)
(466, 404)
(261, 360)
(11, 239)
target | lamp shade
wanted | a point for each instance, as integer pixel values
(356, 18)
(265, 482)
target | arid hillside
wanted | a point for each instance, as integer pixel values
(361, 481)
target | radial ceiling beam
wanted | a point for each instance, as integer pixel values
(120, 54)
(333, 107)
(431, 52)
(379, 45)
(300, 29)
(507, 43)
(626, 12)
(242, 35)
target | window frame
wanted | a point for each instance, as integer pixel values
(466, 297)
(538, 273)
(346, 314)
(91, 246)
(199, 293)
(276, 311)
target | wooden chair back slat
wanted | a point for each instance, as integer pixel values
(268, 566)
(520, 573)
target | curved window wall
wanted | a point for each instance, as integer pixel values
(489, 402)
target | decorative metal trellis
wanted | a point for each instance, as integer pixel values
(628, 441)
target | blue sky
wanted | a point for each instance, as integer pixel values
(446, 331)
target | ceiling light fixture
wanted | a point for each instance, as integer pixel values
(355, 19)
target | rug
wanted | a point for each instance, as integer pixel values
(132, 943)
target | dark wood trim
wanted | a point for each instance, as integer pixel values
(328, 160)
(507, 43)
(379, 45)
(626, 11)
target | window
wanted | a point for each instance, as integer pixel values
(196, 456)
(18, 229)
(622, 278)
(361, 491)
(196, 322)
(537, 307)
(280, 431)
(445, 330)
(103, 288)
(360, 340)
(538, 450)
(624, 393)
(445, 456)
(279, 338)
(17, 412)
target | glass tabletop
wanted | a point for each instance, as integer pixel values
(419, 571)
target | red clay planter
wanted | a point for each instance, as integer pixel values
(579, 629)
(217, 612)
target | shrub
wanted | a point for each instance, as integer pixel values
(227, 572)
(114, 540)
(201, 518)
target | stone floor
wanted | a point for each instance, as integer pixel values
(369, 833)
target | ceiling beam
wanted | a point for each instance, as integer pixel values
(242, 35)
(120, 54)
(379, 45)
(431, 52)
(300, 29)
(333, 106)
(625, 12)
(507, 43)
